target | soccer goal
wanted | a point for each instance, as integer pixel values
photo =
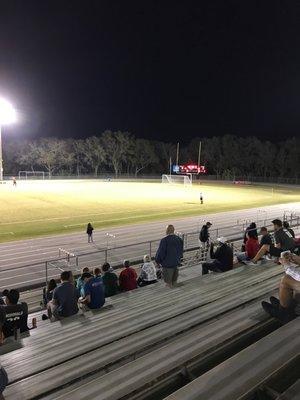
(177, 179)
(33, 174)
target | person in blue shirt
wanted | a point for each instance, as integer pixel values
(169, 255)
(80, 283)
(94, 293)
(64, 299)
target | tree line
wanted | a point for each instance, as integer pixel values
(119, 152)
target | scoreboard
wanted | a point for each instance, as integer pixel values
(189, 169)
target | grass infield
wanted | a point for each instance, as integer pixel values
(36, 208)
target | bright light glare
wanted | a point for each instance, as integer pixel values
(7, 113)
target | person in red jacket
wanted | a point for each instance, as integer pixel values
(127, 278)
(251, 247)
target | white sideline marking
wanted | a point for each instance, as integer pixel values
(67, 217)
(128, 232)
(82, 224)
(154, 224)
(7, 233)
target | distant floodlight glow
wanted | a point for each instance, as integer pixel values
(7, 113)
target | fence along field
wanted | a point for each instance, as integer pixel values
(36, 208)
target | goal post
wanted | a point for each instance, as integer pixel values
(33, 174)
(184, 180)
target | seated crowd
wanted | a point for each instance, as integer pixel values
(90, 289)
(281, 249)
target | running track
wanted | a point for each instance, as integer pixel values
(17, 258)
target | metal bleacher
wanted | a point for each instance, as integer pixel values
(150, 341)
(248, 370)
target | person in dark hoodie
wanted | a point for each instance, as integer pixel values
(222, 258)
(169, 255)
(204, 236)
(89, 231)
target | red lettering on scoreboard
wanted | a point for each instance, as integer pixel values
(192, 169)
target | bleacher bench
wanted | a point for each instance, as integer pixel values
(243, 373)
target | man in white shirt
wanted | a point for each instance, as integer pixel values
(284, 308)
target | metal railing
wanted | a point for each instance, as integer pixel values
(135, 251)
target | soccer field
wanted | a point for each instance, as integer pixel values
(36, 208)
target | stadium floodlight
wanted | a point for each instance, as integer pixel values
(7, 116)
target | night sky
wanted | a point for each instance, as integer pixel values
(167, 70)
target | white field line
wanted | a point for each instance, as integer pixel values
(115, 212)
(133, 230)
(128, 217)
(71, 216)
(275, 208)
(128, 232)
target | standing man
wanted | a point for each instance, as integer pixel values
(204, 236)
(169, 255)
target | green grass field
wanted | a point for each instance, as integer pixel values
(36, 208)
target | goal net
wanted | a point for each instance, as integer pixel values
(33, 174)
(177, 180)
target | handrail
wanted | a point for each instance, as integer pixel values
(185, 236)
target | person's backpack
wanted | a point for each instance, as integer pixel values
(203, 234)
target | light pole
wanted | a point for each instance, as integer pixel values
(7, 116)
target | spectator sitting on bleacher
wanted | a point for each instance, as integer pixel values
(148, 272)
(286, 226)
(284, 308)
(169, 255)
(127, 278)
(14, 314)
(222, 257)
(283, 239)
(48, 292)
(265, 237)
(110, 281)
(97, 273)
(80, 283)
(251, 227)
(94, 296)
(251, 247)
(3, 381)
(65, 297)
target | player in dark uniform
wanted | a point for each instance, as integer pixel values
(14, 181)
(201, 198)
